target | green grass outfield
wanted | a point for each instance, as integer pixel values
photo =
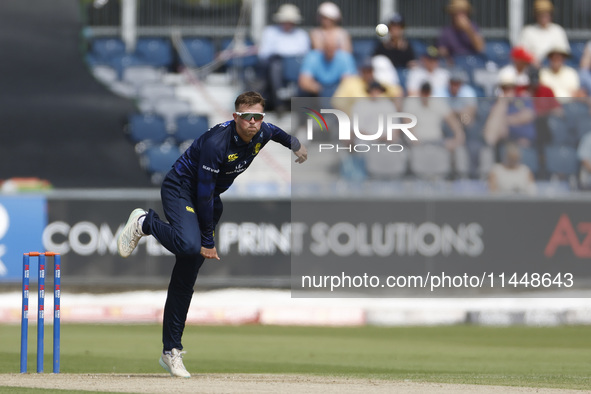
(516, 356)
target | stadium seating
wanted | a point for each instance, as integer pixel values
(241, 55)
(291, 68)
(363, 48)
(577, 48)
(190, 127)
(201, 50)
(146, 128)
(419, 47)
(498, 51)
(160, 158)
(561, 132)
(155, 51)
(430, 161)
(170, 110)
(469, 63)
(140, 75)
(120, 62)
(102, 50)
(561, 160)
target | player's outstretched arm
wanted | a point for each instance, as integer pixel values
(301, 154)
(209, 253)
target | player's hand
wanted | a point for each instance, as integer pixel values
(209, 253)
(301, 154)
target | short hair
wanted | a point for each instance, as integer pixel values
(249, 99)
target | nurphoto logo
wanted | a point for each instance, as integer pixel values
(386, 125)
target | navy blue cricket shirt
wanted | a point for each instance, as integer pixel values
(216, 158)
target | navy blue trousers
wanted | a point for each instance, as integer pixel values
(181, 236)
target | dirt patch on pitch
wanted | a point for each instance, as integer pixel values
(247, 383)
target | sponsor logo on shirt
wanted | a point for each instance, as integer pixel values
(257, 148)
(190, 209)
(232, 157)
(210, 169)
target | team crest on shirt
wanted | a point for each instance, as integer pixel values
(257, 148)
(232, 157)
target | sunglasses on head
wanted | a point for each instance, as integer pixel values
(250, 115)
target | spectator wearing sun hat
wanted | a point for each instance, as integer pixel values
(396, 47)
(280, 41)
(520, 61)
(329, 29)
(561, 78)
(462, 36)
(539, 38)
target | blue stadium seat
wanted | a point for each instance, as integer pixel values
(102, 50)
(121, 62)
(561, 132)
(577, 48)
(202, 50)
(561, 160)
(419, 47)
(291, 68)
(363, 48)
(498, 51)
(578, 117)
(469, 63)
(402, 76)
(155, 51)
(248, 60)
(147, 127)
(160, 158)
(190, 127)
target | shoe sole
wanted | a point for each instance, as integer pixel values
(167, 369)
(133, 216)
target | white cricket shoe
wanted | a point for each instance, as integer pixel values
(173, 364)
(131, 234)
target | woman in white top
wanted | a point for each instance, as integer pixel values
(511, 176)
(329, 17)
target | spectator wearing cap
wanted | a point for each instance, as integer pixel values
(280, 41)
(462, 36)
(396, 47)
(322, 71)
(561, 78)
(539, 38)
(357, 86)
(329, 29)
(521, 59)
(428, 71)
(511, 117)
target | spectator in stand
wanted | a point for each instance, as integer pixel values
(545, 102)
(585, 69)
(429, 71)
(462, 36)
(358, 86)
(539, 38)
(511, 117)
(562, 79)
(584, 155)
(396, 47)
(511, 176)
(431, 112)
(521, 59)
(329, 30)
(278, 42)
(322, 71)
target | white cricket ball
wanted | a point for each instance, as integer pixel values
(381, 30)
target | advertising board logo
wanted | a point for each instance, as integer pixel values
(565, 234)
(349, 130)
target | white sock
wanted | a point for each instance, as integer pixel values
(140, 221)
